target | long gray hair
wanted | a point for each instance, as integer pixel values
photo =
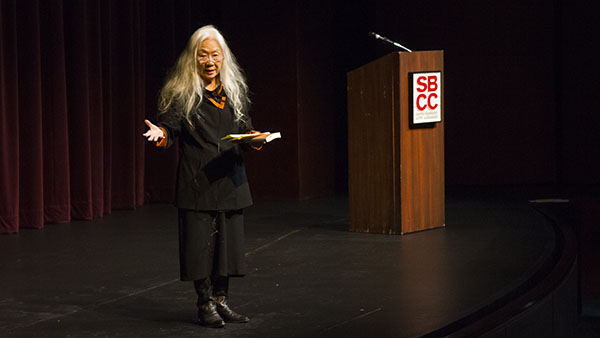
(184, 87)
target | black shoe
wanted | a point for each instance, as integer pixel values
(226, 313)
(208, 315)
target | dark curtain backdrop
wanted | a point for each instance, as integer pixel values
(77, 79)
(72, 95)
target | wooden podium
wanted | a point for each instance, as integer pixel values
(396, 171)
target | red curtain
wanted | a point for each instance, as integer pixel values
(72, 104)
(9, 119)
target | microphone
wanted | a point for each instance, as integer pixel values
(383, 38)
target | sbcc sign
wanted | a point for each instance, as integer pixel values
(426, 98)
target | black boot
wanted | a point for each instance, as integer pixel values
(208, 315)
(226, 313)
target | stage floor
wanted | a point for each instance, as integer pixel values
(308, 275)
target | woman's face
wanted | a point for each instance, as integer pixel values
(210, 59)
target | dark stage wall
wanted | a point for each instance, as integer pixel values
(519, 82)
(78, 77)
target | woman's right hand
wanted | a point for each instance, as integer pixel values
(154, 133)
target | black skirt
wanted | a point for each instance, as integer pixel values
(211, 243)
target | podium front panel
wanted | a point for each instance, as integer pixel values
(396, 173)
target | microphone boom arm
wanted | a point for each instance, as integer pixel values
(383, 38)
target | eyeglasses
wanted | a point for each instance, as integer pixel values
(204, 58)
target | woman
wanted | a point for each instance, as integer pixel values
(204, 99)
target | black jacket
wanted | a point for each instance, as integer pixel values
(211, 173)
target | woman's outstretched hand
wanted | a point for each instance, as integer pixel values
(154, 133)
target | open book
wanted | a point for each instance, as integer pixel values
(251, 138)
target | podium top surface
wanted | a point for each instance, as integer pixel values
(408, 55)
